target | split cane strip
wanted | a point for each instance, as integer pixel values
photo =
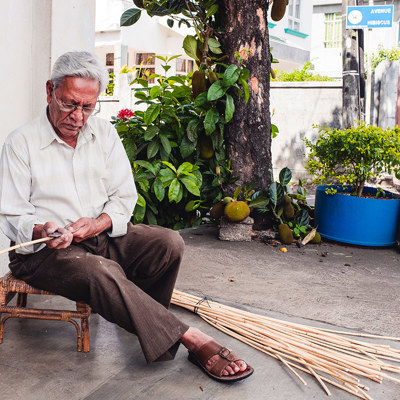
(17, 246)
(321, 353)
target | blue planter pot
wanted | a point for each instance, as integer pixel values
(356, 220)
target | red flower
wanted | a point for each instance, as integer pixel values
(125, 114)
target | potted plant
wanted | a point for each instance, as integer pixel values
(344, 160)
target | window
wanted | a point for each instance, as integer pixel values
(294, 15)
(145, 58)
(333, 31)
(110, 59)
(180, 65)
(145, 63)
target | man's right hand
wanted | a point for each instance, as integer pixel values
(61, 242)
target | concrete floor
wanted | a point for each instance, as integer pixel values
(329, 285)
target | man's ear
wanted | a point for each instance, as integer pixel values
(49, 90)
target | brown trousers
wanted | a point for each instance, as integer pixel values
(128, 280)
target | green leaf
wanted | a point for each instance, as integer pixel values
(149, 166)
(170, 22)
(130, 148)
(229, 108)
(155, 91)
(237, 192)
(187, 147)
(211, 11)
(259, 199)
(200, 100)
(192, 205)
(141, 201)
(215, 91)
(159, 190)
(170, 166)
(302, 219)
(173, 191)
(190, 186)
(190, 46)
(151, 131)
(276, 193)
(130, 17)
(152, 113)
(193, 128)
(245, 89)
(214, 46)
(165, 143)
(122, 128)
(138, 214)
(184, 167)
(152, 149)
(151, 218)
(285, 176)
(210, 120)
(231, 75)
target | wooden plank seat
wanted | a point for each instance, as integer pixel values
(9, 286)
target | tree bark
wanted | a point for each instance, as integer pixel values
(248, 135)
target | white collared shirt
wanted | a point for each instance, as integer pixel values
(44, 179)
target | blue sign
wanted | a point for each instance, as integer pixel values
(359, 17)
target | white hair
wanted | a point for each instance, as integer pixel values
(80, 64)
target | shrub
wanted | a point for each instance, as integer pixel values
(304, 74)
(353, 156)
(384, 54)
(176, 144)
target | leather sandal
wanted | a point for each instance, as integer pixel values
(226, 357)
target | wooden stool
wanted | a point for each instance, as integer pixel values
(10, 285)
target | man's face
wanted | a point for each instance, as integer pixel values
(81, 92)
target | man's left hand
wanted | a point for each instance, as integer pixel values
(85, 228)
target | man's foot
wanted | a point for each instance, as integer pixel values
(219, 362)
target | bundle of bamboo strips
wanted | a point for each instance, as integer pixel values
(326, 355)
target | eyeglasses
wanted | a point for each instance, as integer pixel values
(70, 108)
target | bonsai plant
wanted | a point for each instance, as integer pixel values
(355, 155)
(344, 160)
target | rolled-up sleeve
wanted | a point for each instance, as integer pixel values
(17, 215)
(122, 194)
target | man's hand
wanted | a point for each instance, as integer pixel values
(61, 242)
(85, 228)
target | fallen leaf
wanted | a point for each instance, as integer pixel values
(231, 279)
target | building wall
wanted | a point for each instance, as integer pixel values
(329, 61)
(296, 107)
(292, 51)
(33, 34)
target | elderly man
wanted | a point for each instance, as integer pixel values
(68, 172)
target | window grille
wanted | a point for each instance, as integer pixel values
(333, 30)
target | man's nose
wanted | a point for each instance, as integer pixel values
(77, 114)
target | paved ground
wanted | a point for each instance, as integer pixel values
(330, 285)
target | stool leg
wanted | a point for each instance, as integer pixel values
(3, 302)
(22, 299)
(85, 336)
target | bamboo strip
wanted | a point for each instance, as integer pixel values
(17, 246)
(308, 349)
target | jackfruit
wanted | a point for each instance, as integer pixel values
(316, 239)
(288, 209)
(217, 210)
(206, 149)
(278, 9)
(285, 233)
(212, 76)
(237, 211)
(198, 83)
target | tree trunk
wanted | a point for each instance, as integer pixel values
(248, 135)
